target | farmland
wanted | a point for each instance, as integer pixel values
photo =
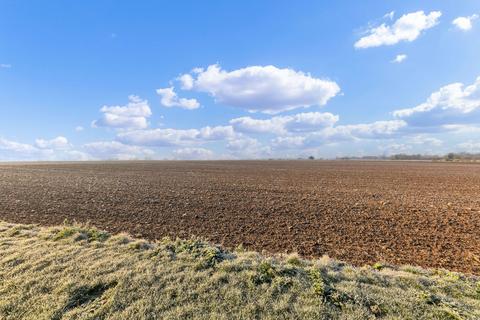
(78, 272)
(417, 213)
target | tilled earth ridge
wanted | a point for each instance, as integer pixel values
(419, 213)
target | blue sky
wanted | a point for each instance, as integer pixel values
(234, 80)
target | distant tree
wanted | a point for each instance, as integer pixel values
(311, 158)
(450, 156)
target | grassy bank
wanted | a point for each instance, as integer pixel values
(77, 272)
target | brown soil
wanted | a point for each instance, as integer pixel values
(418, 213)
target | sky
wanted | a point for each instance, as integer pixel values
(93, 80)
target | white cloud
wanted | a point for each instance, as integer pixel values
(75, 155)
(301, 122)
(293, 142)
(374, 130)
(419, 144)
(395, 148)
(187, 81)
(55, 149)
(453, 104)
(170, 99)
(246, 147)
(470, 146)
(57, 143)
(407, 28)
(250, 125)
(5, 66)
(335, 134)
(79, 128)
(116, 150)
(243, 144)
(265, 89)
(310, 121)
(216, 133)
(131, 116)
(461, 128)
(16, 147)
(176, 137)
(299, 131)
(400, 58)
(193, 154)
(464, 23)
(390, 15)
(426, 140)
(159, 137)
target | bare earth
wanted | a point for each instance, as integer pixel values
(418, 213)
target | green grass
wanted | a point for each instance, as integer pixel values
(79, 272)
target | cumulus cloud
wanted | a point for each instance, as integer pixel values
(243, 144)
(310, 121)
(116, 150)
(335, 134)
(374, 130)
(395, 148)
(131, 116)
(158, 137)
(250, 125)
(400, 58)
(169, 99)
(293, 142)
(453, 104)
(55, 149)
(266, 89)
(406, 28)
(187, 81)
(247, 147)
(470, 146)
(421, 144)
(464, 23)
(390, 15)
(59, 149)
(426, 140)
(79, 128)
(76, 155)
(56, 143)
(16, 147)
(301, 122)
(216, 133)
(461, 128)
(193, 154)
(176, 137)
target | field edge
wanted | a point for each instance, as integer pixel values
(76, 271)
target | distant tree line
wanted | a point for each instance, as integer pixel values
(462, 156)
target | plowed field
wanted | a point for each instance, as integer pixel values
(418, 213)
